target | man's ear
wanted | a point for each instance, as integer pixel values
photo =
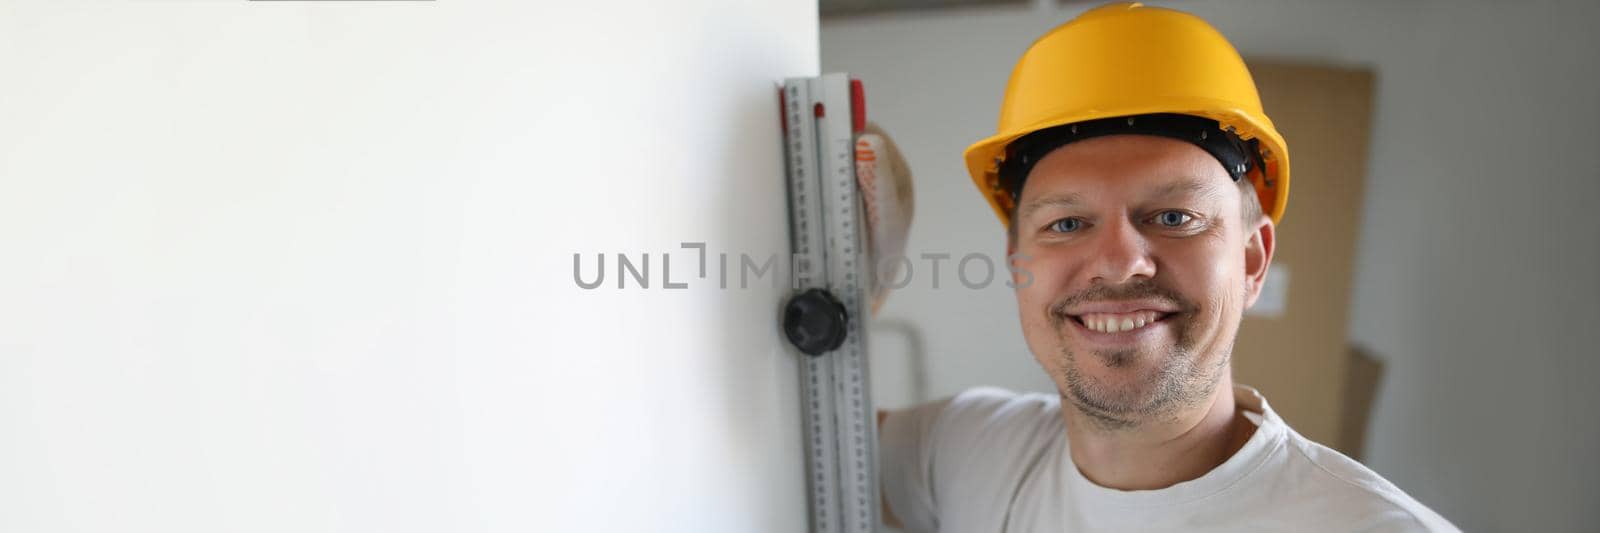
(1258, 248)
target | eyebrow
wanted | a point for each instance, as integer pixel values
(1063, 200)
(1180, 187)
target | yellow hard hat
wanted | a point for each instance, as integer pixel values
(1128, 60)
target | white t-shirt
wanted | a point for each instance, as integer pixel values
(990, 460)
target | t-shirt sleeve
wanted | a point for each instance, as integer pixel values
(920, 444)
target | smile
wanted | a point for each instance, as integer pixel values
(1119, 322)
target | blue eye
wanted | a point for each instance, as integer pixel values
(1066, 225)
(1173, 219)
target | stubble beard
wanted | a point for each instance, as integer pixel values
(1178, 381)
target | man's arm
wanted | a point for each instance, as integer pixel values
(889, 519)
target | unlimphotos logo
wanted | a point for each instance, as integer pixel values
(972, 271)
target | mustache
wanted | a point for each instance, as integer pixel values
(1140, 289)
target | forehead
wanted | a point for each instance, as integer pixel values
(1126, 165)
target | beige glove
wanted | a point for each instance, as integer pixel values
(885, 182)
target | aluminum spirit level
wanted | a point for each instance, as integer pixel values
(824, 319)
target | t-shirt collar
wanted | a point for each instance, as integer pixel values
(1267, 440)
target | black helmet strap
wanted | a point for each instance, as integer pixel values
(1237, 156)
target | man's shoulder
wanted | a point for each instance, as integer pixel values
(1346, 489)
(991, 424)
(1003, 404)
(963, 454)
(994, 410)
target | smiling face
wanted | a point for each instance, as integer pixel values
(1142, 265)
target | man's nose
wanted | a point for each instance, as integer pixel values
(1119, 254)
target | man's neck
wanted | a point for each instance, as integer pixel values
(1159, 453)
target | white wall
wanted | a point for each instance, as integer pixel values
(1476, 273)
(304, 266)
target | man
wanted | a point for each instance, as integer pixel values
(1140, 183)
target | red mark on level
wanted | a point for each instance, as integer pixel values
(858, 107)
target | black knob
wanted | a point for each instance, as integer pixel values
(815, 322)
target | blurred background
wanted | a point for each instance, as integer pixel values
(1435, 286)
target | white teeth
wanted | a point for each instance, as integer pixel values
(1110, 323)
